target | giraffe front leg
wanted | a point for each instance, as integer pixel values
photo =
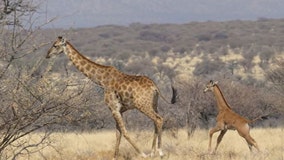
(118, 118)
(211, 132)
(118, 138)
(219, 139)
(113, 102)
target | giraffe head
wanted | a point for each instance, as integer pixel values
(210, 85)
(57, 47)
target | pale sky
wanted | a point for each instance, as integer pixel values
(91, 13)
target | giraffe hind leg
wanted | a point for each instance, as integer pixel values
(159, 125)
(251, 142)
(244, 132)
(158, 122)
(249, 145)
(154, 143)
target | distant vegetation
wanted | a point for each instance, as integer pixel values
(262, 40)
(246, 57)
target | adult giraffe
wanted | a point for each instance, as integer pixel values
(121, 93)
(228, 119)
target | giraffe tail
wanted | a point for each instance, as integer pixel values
(174, 95)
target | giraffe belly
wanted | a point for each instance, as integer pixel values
(128, 103)
(128, 106)
(230, 127)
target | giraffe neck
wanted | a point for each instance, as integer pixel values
(100, 74)
(221, 102)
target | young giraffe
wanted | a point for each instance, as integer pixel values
(228, 119)
(121, 93)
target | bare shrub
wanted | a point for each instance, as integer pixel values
(208, 67)
(142, 66)
(193, 107)
(276, 76)
(29, 102)
(32, 105)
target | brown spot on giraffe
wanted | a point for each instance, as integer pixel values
(129, 89)
(93, 71)
(82, 62)
(88, 67)
(121, 92)
(228, 119)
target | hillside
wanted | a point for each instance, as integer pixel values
(243, 49)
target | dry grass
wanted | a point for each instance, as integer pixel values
(99, 146)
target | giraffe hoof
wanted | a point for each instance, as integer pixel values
(161, 153)
(143, 155)
(152, 154)
(211, 151)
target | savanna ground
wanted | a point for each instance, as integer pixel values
(99, 146)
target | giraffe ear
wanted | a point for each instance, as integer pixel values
(216, 82)
(62, 40)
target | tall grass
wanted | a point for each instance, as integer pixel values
(100, 145)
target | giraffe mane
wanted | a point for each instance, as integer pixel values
(223, 96)
(84, 57)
